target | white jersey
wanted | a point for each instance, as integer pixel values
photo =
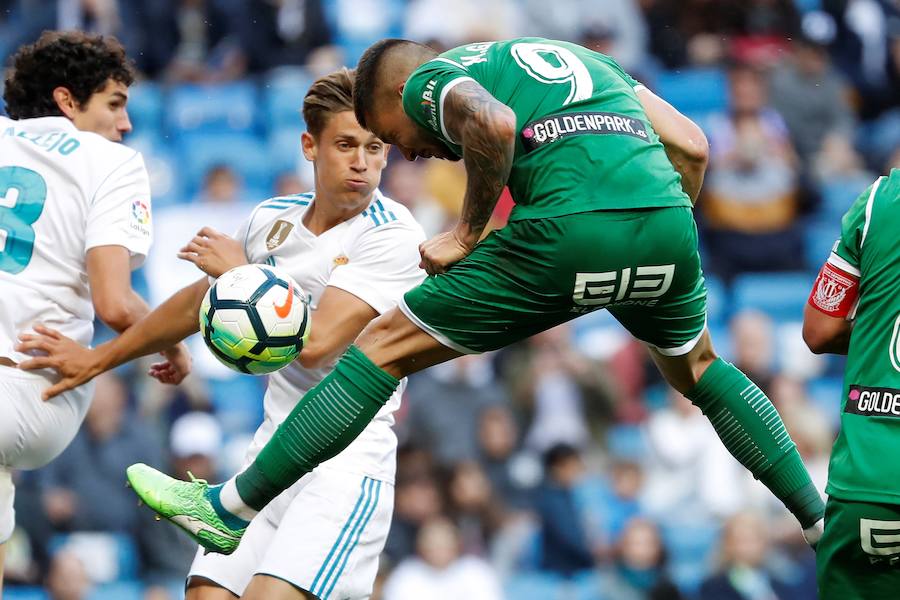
(375, 257)
(62, 192)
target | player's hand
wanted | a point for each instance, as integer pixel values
(175, 368)
(75, 363)
(443, 251)
(213, 252)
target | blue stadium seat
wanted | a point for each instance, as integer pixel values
(780, 295)
(690, 546)
(590, 586)
(838, 196)
(534, 586)
(694, 91)
(246, 154)
(226, 107)
(145, 107)
(165, 183)
(118, 548)
(626, 441)
(284, 149)
(819, 237)
(827, 393)
(355, 29)
(237, 403)
(283, 94)
(24, 593)
(716, 301)
(121, 590)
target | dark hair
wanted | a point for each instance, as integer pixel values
(367, 72)
(80, 62)
(558, 454)
(327, 95)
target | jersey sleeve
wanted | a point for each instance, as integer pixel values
(383, 266)
(836, 289)
(425, 92)
(119, 214)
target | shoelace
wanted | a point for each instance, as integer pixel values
(195, 480)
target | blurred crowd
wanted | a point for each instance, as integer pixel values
(561, 467)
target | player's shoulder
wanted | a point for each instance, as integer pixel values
(385, 216)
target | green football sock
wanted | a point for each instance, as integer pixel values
(323, 423)
(752, 430)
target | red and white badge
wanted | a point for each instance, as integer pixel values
(835, 291)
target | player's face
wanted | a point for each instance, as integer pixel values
(394, 127)
(105, 113)
(348, 159)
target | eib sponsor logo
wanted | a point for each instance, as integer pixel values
(872, 401)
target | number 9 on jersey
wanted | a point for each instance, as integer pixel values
(255, 319)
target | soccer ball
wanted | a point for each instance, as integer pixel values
(255, 319)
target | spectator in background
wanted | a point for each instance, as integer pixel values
(220, 204)
(558, 385)
(440, 571)
(290, 183)
(564, 546)
(752, 191)
(812, 97)
(405, 183)
(638, 570)
(743, 573)
(444, 404)
(275, 33)
(753, 346)
(417, 499)
(67, 578)
(510, 472)
(83, 489)
(204, 45)
(474, 508)
(468, 21)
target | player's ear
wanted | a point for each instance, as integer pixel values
(400, 88)
(65, 101)
(309, 146)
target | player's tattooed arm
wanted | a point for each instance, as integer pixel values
(486, 130)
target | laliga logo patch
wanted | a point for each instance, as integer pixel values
(278, 233)
(140, 212)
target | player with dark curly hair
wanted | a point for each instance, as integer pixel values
(74, 221)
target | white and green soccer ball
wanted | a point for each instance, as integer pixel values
(255, 319)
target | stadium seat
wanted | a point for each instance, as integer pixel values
(284, 149)
(108, 557)
(165, 184)
(716, 301)
(24, 593)
(357, 23)
(534, 586)
(819, 237)
(690, 545)
(590, 586)
(283, 93)
(838, 196)
(121, 590)
(227, 107)
(826, 393)
(145, 107)
(626, 442)
(237, 403)
(694, 91)
(780, 295)
(244, 153)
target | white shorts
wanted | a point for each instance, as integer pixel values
(33, 432)
(323, 535)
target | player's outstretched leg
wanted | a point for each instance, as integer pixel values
(748, 425)
(321, 425)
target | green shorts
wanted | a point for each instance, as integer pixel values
(641, 265)
(858, 557)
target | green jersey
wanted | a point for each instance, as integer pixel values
(864, 465)
(583, 141)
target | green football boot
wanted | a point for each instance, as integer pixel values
(186, 504)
